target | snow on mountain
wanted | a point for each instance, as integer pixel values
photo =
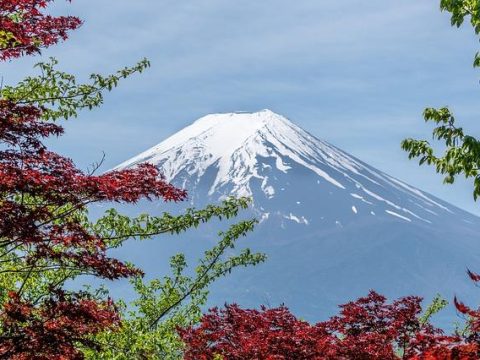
(232, 139)
(261, 146)
(332, 226)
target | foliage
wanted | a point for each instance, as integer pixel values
(461, 157)
(438, 303)
(149, 328)
(368, 328)
(43, 198)
(58, 93)
(24, 29)
(462, 151)
(47, 331)
(460, 9)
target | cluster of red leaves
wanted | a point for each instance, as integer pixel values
(25, 29)
(367, 329)
(41, 194)
(27, 168)
(235, 334)
(47, 331)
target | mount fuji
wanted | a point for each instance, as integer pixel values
(332, 226)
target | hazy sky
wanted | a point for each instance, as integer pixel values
(355, 73)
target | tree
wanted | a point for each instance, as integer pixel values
(149, 329)
(25, 29)
(46, 237)
(44, 240)
(461, 157)
(368, 328)
(462, 151)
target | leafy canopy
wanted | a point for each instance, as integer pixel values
(368, 328)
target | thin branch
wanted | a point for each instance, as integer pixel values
(192, 288)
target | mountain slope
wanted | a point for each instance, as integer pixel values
(333, 226)
(241, 154)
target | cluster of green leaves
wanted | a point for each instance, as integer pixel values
(150, 324)
(59, 93)
(461, 155)
(461, 9)
(116, 227)
(438, 304)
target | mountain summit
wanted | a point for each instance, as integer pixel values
(234, 143)
(254, 154)
(332, 226)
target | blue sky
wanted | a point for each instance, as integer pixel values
(357, 74)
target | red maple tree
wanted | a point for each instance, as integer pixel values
(41, 193)
(25, 29)
(366, 329)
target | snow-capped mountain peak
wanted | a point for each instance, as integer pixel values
(233, 142)
(249, 153)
